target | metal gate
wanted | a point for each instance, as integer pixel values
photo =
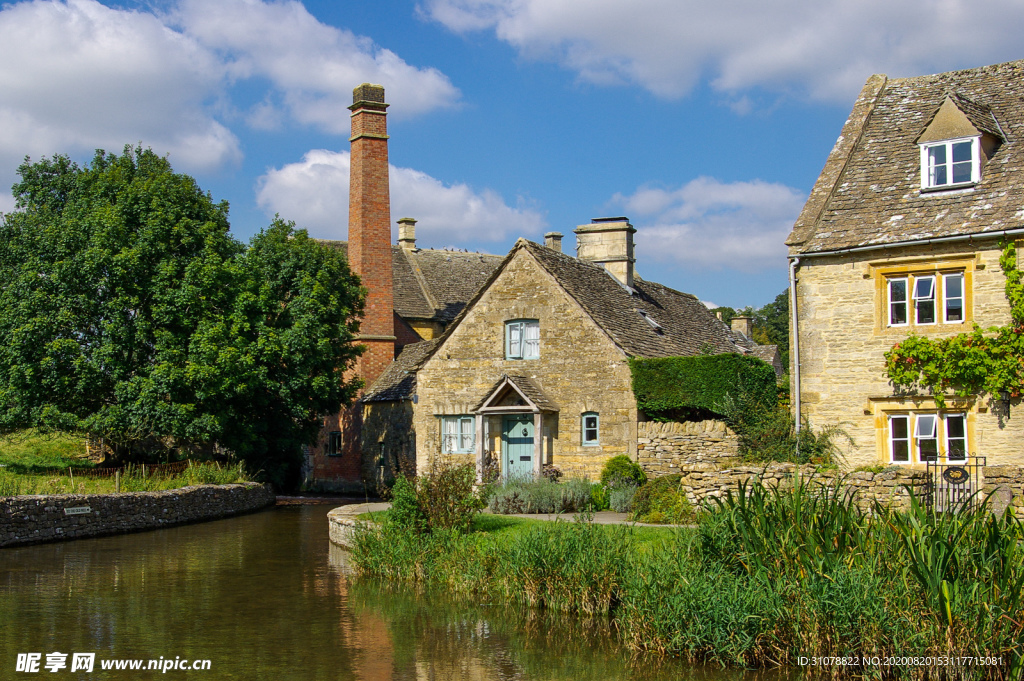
(954, 484)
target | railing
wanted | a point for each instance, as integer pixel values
(954, 484)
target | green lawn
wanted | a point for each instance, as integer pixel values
(30, 452)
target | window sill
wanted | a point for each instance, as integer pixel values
(949, 187)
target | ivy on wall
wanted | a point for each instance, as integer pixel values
(682, 388)
(979, 361)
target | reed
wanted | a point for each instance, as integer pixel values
(769, 575)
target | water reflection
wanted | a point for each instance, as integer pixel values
(265, 596)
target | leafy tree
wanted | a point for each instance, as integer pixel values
(771, 322)
(128, 312)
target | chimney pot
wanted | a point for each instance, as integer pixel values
(407, 233)
(608, 242)
(743, 325)
(553, 240)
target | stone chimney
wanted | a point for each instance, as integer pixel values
(553, 240)
(369, 228)
(744, 325)
(608, 241)
(407, 233)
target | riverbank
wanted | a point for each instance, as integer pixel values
(764, 580)
(33, 519)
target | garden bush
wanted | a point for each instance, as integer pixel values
(620, 499)
(545, 496)
(662, 501)
(443, 499)
(621, 468)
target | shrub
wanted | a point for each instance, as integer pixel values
(662, 501)
(621, 468)
(447, 498)
(551, 472)
(599, 497)
(406, 513)
(544, 496)
(620, 499)
(670, 388)
(577, 495)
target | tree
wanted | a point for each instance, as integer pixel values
(127, 311)
(771, 323)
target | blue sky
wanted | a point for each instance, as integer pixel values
(704, 123)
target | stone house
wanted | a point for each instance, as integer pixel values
(902, 235)
(535, 370)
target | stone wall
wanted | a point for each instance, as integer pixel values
(33, 519)
(1006, 484)
(706, 481)
(664, 448)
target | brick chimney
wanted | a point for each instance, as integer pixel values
(369, 228)
(407, 233)
(553, 240)
(744, 325)
(608, 241)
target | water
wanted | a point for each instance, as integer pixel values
(265, 596)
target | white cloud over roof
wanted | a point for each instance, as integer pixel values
(314, 194)
(711, 225)
(822, 48)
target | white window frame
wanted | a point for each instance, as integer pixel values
(938, 298)
(522, 339)
(596, 440)
(905, 302)
(931, 297)
(458, 434)
(919, 432)
(928, 181)
(946, 298)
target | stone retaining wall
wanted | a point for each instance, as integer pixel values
(31, 519)
(705, 481)
(1006, 483)
(664, 448)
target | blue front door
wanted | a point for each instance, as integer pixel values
(517, 446)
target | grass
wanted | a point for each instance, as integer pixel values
(29, 452)
(768, 575)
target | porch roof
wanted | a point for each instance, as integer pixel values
(532, 396)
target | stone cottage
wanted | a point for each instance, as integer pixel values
(901, 235)
(534, 371)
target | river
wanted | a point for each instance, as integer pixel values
(265, 596)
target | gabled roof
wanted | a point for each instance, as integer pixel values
(524, 386)
(398, 382)
(687, 327)
(433, 285)
(869, 191)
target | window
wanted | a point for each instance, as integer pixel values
(951, 163)
(522, 339)
(591, 431)
(930, 297)
(334, 443)
(458, 434)
(917, 438)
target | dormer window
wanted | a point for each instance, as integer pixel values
(951, 163)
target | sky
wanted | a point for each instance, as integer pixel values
(706, 124)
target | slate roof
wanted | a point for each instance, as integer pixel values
(869, 191)
(433, 285)
(398, 382)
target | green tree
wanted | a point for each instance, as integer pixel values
(128, 311)
(771, 322)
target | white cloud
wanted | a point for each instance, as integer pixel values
(80, 76)
(822, 48)
(314, 66)
(714, 225)
(314, 193)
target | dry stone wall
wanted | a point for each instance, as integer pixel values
(32, 519)
(665, 448)
(1006, 485)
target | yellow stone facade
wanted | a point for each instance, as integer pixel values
(579, 369)
(844, 334)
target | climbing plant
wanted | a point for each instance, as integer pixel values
(981, 360)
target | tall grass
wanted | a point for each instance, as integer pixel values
(133, 479)
(770, 574)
